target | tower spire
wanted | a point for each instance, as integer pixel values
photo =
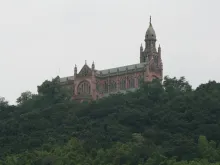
(150, 34)
(141, 48)
(93, 65)
(75, 70)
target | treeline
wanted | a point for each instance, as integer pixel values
(167, 124)
(129, 153)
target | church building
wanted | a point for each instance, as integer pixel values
(91, 84)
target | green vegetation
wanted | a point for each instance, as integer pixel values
(159, 124)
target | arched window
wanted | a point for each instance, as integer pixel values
(112, 86)
(98, 86)
(106, 87)
(122, 84)
(131, 82)
(84, 88)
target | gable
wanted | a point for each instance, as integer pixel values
(85, 71)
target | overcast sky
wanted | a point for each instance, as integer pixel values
(40, 39)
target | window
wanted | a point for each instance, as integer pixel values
(122, 84)
(131, 82)
(105, 87)
(112, 86)
(84, 88)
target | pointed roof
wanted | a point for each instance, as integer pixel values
(86, 70)
(150, 34)
(141, 47)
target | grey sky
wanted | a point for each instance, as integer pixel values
(40, 37)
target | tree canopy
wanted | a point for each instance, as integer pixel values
(165, 123)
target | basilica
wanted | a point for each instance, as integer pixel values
(91, 84)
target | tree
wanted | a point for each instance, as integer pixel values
(3, 103)
(155, 125)
(25, 96)
(207, 149)
(54, 91)
(174, 85)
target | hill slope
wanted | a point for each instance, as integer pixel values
(156, 123)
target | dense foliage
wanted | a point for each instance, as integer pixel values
(167, 124)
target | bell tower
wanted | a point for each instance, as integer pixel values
(150, 44)
(151, 55)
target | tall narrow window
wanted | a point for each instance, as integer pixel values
(131, 82)
(122, 84)
(112, 86)
(106, 87)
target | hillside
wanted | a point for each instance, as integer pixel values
(167, 123)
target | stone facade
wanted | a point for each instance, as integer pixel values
(92, 84)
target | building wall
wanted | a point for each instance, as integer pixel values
(114, 84)
(94, 84)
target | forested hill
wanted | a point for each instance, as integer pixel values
(160, 124)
